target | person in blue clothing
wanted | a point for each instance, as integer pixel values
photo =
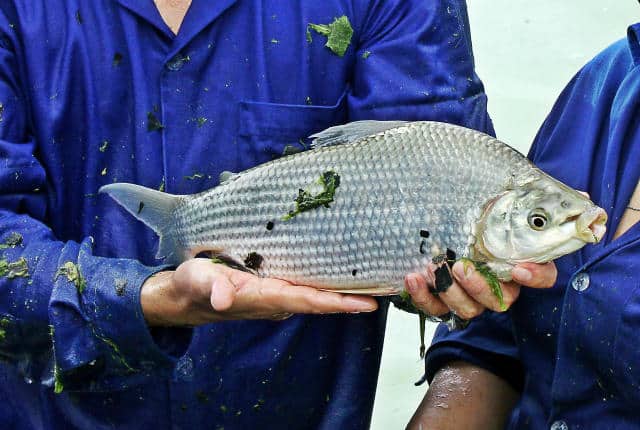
(566, 357)
(94, 332)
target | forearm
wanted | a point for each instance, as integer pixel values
(464, 396)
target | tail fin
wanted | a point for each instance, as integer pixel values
(155, 209)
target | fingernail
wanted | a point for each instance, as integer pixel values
(521, 274)
(360, 304)
(412, 284)
(460, 271)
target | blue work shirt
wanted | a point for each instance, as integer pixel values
(574, 350)
(97, 92)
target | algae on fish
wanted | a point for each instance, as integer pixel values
(489, 276)
(338, 34)
(305, 201)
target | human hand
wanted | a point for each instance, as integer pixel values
(200, 292)
(470, 295)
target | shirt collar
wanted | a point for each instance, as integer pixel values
(633, 37)
(200, 14)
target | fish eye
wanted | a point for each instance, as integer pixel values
(538, 220)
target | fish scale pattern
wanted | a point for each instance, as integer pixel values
(425, 176)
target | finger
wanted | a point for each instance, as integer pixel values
(460, 302)
(301, 299)
(223, 293)
(535, 275)
(477, 288)
(416, 286)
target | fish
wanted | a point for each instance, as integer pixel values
(370, 202)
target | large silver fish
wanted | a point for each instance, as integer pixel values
(372, 202)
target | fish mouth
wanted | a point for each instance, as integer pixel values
(591, 225)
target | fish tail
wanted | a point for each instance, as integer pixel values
(156, 210)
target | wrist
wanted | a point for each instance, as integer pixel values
(158, 300)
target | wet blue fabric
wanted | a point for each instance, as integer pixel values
(577, 342)
(97, 92)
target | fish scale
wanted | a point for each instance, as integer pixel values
(392, 185)
(466, 191)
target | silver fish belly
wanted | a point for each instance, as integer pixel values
(405, 195)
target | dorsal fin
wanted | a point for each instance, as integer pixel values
(350, 132)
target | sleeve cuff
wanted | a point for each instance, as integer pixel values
(100, 332)
(487, 342)
(500, 365)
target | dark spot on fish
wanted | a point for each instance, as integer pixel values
(422, 245)
(270, 225)
(253, 261)
(425, 234)
(140, 207)
(451, 257)
(354, 272)
(443, 279)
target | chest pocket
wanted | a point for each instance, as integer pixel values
(271, 130)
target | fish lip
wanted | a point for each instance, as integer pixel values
(591, 225)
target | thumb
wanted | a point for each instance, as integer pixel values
(223, 293)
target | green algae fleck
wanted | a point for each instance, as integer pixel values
(305, 201)
(13, 240)
(153, 123)
(338, 34)
(73, 275)
(15, 269)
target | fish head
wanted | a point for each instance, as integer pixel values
(538, 220)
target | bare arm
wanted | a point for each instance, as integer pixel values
(464, 397)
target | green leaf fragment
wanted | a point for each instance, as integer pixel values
(18, 268)
(117, 58)
(422, 322)
(103, 147)
(58, 386)
(489, 275)
(338, 34)
(153, 123)
(14, 239)
(196, 175)
(115, 352)
(305, 201)
(73, 275)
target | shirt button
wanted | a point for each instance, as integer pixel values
(176, 63)
(580, 282)
(559, 425)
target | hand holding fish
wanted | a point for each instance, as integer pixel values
(199, 292)
(469, 294)
(372, 202)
